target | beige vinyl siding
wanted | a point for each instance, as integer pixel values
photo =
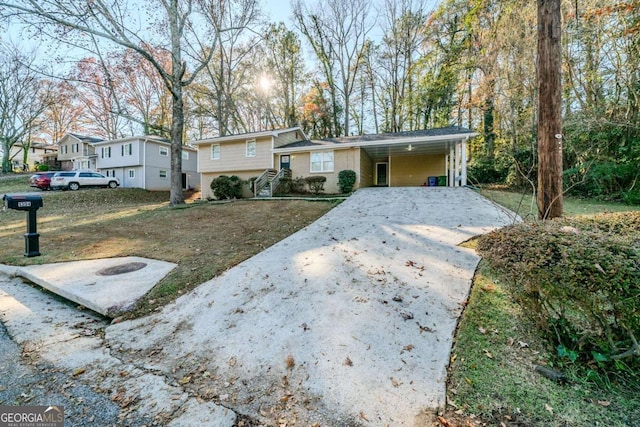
(411, 171)
(287, 138)
(233, 157)
(342, 160)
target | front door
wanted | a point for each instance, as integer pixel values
(382, 170)
(285, 161)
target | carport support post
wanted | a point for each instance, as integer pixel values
(32, 238)
(452, 170)
(463, 163)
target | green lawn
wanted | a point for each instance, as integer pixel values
(524, 204)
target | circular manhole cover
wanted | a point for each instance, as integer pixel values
(122, 268)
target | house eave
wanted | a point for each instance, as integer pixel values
(245, 136)
(382, 143)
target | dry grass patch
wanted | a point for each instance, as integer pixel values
(204, 239)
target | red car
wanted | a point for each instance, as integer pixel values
(42, 180)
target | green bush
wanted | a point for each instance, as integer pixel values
(631, 197)
(297, 185)
(580, 280)
(42, 167)
(316, 183)
(225, 187)
(285, 185)
(485, 170)
(606, 180)
(346, 180)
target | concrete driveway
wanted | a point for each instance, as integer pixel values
(347, 322)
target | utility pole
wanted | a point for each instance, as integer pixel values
(549, 110)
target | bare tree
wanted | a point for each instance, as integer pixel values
(284, 59)
(337, 30)
(170, 21)
(549, 110)
(62, 115)
(403, 22)
(23, 98)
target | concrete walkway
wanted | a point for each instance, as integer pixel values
(347, 322)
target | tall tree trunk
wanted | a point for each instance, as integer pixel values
(549, 110)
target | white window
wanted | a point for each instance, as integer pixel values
(110, 173)
(132, 173)
(64, 149)
(322, 161)
(164, 151)
(75, 148)
(215, 152)
(127, 149)
(251, 148)
(163, 173)
(106, 152)
(185, 155)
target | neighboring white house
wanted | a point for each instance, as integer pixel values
(145, 162)
(76, 151)
(38, 153)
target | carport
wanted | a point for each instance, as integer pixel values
(409, 159)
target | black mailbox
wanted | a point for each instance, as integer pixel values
(30, 204)
(22, 203)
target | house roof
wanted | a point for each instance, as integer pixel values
(428, 141)
(250, 135)
(84, 138)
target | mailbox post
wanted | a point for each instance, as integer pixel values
(30, 204)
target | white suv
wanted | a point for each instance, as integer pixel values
(73, 180)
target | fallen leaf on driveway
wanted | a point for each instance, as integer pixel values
(408, 347)
(444, 422)
(347, 362)
(79, 371)
(363, 416)
(184, 380)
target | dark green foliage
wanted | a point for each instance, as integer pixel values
(43, 167)
(346, 180)
(225, 187)
(486, 170)
(606, 180)
(580, 280)
(284, 187)
(631, 197)
(316, 183)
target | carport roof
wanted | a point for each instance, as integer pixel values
(428, 141)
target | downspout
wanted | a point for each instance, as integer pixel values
(144, 163)
(452, 159)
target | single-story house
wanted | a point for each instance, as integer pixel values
(145, 162)
(76, 152)
(400, 159)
